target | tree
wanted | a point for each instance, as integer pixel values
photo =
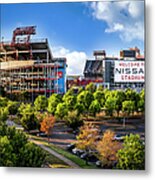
(100, 88)
(85, 98)
(47, 125)
(107, 149)
(110, 105)
(61, 110)
(16, 151)
(87, 138)
(95, 107)
(128, 107)
(70, 101)
(119, 96)
(79, 108)
(53, 101)
(7, 157)
(28, 117)
(31, 156)
(132, 155)
(132, 95)
(3, 114)
(73, 119)
(141, 102)
(40, 103)
(91, 87)
(100, 97)
(3, 101)
(13, 107)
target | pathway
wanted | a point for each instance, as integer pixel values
(59, 156)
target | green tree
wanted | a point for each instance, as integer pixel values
(70, 101)
(53, 101)
(3, 114)
(73, 119)
(95, 107)
(141, 102)
(31, 156)
(79, 108)
(100, 88)
(110, 105)
(91, 87)
(119, 95)
(100, 97)
(7, 157)
(40, 103)
(16, 151)
(13, 107)
(132, 95)
(28, 117)
(128, 107)
(132, 155)
(85, 98)
(3, 101)
(61, 111)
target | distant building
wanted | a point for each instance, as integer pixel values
(128, 71)
(27, 65)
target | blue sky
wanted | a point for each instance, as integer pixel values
(76, 29)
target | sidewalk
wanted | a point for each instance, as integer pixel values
(59, 156)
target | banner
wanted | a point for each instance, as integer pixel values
(129, 71)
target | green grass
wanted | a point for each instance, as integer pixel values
(54, 162)
(65, 153)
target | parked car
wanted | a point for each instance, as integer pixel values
(41, 134)
(89, 157)
(70, 147)
(77, 151)
(120, 137)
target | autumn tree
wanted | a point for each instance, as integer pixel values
(87, 138)
(132, 155)
(107, 149)
(47, 125)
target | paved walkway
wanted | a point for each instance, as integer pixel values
(59, 156)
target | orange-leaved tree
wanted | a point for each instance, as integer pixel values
(87, 138)
(47, 125)
(107, 148)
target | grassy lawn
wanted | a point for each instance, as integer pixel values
(54, 162)
(65, 153)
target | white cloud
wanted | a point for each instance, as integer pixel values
(75, 59)
(126, 17)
